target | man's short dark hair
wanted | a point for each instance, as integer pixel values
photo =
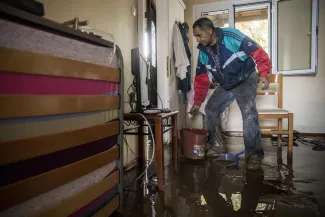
(203, 23)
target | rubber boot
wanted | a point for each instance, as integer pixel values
(253, 162)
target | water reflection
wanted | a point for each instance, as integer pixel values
(206, 189)
(222, 191)
(209, 188)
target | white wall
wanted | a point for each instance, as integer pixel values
(105, 15)
(303, 95)
(108, 16)
(162, 52)
(176, 13)
(141, 23)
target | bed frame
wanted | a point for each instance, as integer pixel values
(61, 125)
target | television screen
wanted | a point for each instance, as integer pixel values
(140, 69)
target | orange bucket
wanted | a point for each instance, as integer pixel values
(194, 143)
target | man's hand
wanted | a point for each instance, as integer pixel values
(195, 110)
(213, 85)
(266, 82)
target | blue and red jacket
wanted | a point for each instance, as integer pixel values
(239, 56)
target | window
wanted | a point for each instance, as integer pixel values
(296, 36)
(219, 18)
(287, 30)
(254, 21)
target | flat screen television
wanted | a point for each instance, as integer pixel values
(145, 81)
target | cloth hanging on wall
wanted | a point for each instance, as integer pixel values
(181, 60)
(182, 57)
(185, 84)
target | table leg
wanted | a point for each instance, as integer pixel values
(174, 141)
(159, 153)
(140, 143)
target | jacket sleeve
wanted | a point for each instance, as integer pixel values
(201, 83)
(262, 60)
(251, 48)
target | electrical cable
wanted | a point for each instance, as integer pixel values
(127, 144)
(152, 156)
(131, 86)
(129, 89)
(316, 144)
(153, 148)
(127, 157)
(162, 104)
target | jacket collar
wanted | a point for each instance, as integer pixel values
(219, 34)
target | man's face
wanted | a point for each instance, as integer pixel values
(203, 36)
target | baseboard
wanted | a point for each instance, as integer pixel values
(240, 133)
(313, 134)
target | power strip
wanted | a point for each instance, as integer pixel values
(151, 111)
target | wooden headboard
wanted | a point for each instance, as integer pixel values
(60, 130)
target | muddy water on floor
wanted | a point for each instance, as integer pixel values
(209, 188)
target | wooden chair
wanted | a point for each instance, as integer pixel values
(276, 89)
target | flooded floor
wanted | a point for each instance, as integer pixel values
(210, 188)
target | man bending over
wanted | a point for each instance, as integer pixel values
(230, 58)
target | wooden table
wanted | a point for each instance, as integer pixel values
(158, 133)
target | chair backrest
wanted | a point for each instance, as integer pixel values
(276, 88)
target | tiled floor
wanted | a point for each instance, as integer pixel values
(209, 188)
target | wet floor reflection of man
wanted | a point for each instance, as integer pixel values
(213, 190)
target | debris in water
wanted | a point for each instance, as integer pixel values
(317, 144)
(203, 202)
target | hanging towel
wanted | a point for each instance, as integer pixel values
(181, 60)
(185, 84)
